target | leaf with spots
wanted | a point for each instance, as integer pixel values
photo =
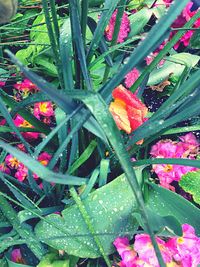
(110, 209)
(190, 182)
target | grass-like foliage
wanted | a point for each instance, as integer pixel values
(99, 106)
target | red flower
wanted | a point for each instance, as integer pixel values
(128, 111)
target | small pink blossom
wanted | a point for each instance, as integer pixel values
(2, 83)
(44, 159)
(26, 86)
(22, 173)
(131, 77)
(44, 109)
(21, 122)
(12, 162)
(16, 256)
(124, 28)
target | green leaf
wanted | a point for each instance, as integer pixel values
(194, 41)
(167, 203)
(190, 182)
(110, 209)
(66, 54)
(138, 21)
(174, 65)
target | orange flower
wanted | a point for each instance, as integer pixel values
(128, 111)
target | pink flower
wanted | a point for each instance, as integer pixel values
(22, 173)
(168, 2)
(186, 249)
(184, 17)
(12, 162)
(188, 147)
(44, 109)
(145, 250)
(2, 83)
(21, 122)
(26, 86)
(125, 251)
(16, 256)
(124, 27)
(44, 159)
(131, 77)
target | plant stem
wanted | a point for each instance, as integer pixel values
(84, 14)
(87, 220)
(53, 40)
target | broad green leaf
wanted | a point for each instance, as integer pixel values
(110, 209)
(167, 203)
(174, 65)
(138, 21)
(190, 182)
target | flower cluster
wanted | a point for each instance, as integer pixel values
(124, 27)
(26, 87)
(13, 166)
(181, 251)
(187, 147)
(16, 256)
(182, 19)
(128, 111)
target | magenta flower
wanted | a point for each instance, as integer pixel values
(184, 17)
(186, 249)
(12, 162)
(44, 109)
(145, 250)
(131, 77)
(176, 251)
(26, 86)
(125, 251)
(21, 122)
(2, 83)
(22, 173)
(188, 147)
(124, 27)
(16, 256)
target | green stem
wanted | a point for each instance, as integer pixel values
(53, 40)
(55, 20)
(84, 14)
(87, 220)
(182, 129)
(163, 52)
